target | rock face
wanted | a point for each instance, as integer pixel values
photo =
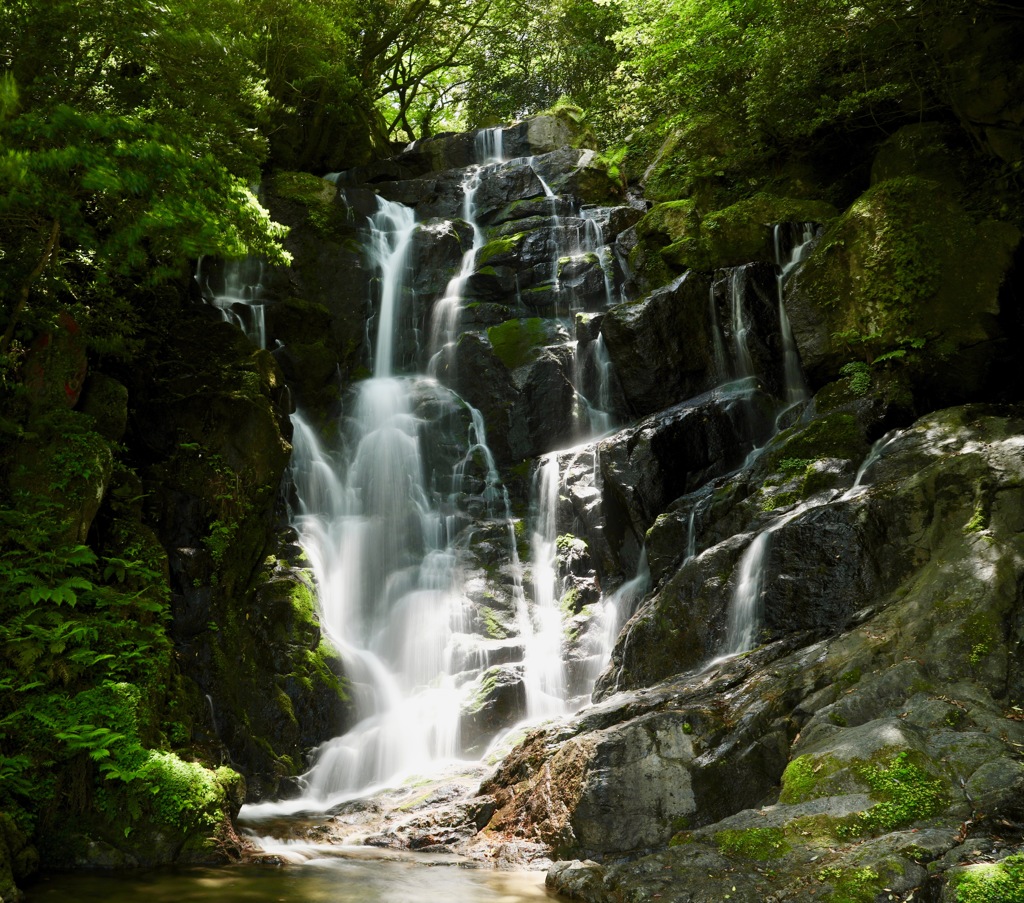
(210, 423)
(815, 596)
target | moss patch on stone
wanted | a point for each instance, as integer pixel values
(499, 247)
(753, 843)
(990, 882)
(318, 196)
(517, 342)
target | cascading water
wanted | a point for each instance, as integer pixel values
(794, 386)
(544, 670)
(239, 297)
(386, 575)
(447, 311)
(744, 363)
(385, 545)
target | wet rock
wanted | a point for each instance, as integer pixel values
(498, 702)
(479, 376)
(323, 241)
(647, 466)
(672, 327)
(542, 418)
(438, 246)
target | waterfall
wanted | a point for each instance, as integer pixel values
(544, 670)
(718, 342)
(447, 311)
(744, 363)
(240, 297)
(390, 239)
(794, 385)
(489, 146)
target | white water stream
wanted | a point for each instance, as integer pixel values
(385, 545)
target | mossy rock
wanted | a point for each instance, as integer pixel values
(735, 235)
(743, 232)
(518, 342)
(906, 275)
(672, 221)
(319, 198)
(500, 251)
(835, 435)
(987, 882)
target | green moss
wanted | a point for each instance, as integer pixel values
(905, 792)
(794, 465)
(850, 885)
(517, 342)
(499, 247)
(849, 678)
(318, 197)
(799, 780)
(672, 221)
(569, 603)
(836, 435)
(979, 519)
(492, 625)
(990, 882)
(753, 843)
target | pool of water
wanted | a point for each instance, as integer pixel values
(328, 880)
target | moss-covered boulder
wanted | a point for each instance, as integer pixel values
(497, 703)
(744, 232)
(675, 235)
(518, 342)
(68, 462)
(907, 275)
(280, 690)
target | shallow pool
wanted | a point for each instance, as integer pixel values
(335, 879)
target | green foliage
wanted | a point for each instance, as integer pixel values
(86, 670)
(859, 375)
(990, 882)
(721, 79)
(567, 62)
(128, 144)
(906, 793)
